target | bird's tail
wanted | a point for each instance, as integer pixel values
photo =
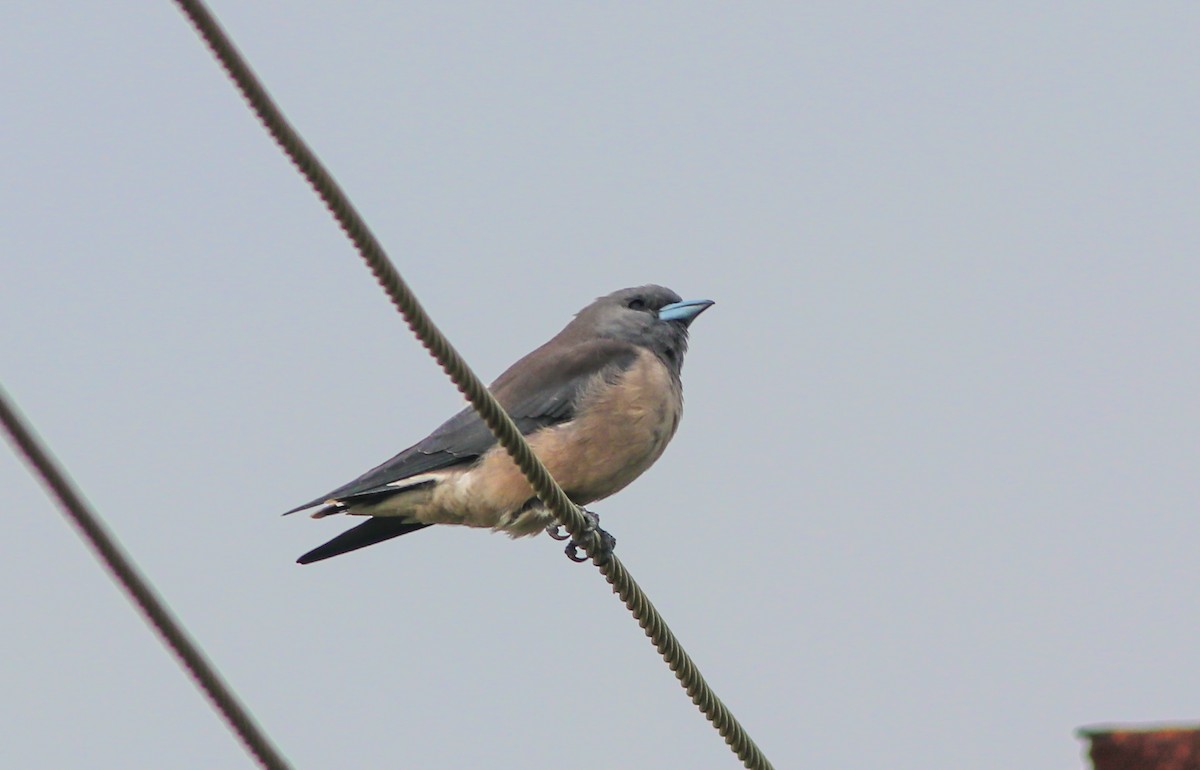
(370, 532)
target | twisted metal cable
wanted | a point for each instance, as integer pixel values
(469, 384)
(139, 589)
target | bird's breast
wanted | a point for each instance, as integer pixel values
(621, 427)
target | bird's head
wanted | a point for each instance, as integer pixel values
(651, 316)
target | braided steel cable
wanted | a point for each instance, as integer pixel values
(469, 384)
(140, 590)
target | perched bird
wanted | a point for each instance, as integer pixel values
(597, 403)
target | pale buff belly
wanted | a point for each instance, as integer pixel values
(619, 432)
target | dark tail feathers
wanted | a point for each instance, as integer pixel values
(370, 532)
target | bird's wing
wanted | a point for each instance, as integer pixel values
(541, 389)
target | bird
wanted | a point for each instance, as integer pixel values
(598, 404)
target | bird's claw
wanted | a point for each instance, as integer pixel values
(575, 549)
(557, 532)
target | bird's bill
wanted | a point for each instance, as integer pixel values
(685, 311)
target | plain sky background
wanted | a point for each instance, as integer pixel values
(934, 500)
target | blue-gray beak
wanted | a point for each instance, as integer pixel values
(685, 311)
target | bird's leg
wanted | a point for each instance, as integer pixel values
(607, 541)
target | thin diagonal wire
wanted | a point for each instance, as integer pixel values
(139, 589)
(468, 383)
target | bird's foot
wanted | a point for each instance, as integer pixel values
(575, 549)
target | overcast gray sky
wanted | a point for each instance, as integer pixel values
(934, 500)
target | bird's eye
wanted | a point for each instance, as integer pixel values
(637, 304)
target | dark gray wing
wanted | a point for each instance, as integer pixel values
(541, 389)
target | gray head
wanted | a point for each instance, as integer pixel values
(650, 316)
